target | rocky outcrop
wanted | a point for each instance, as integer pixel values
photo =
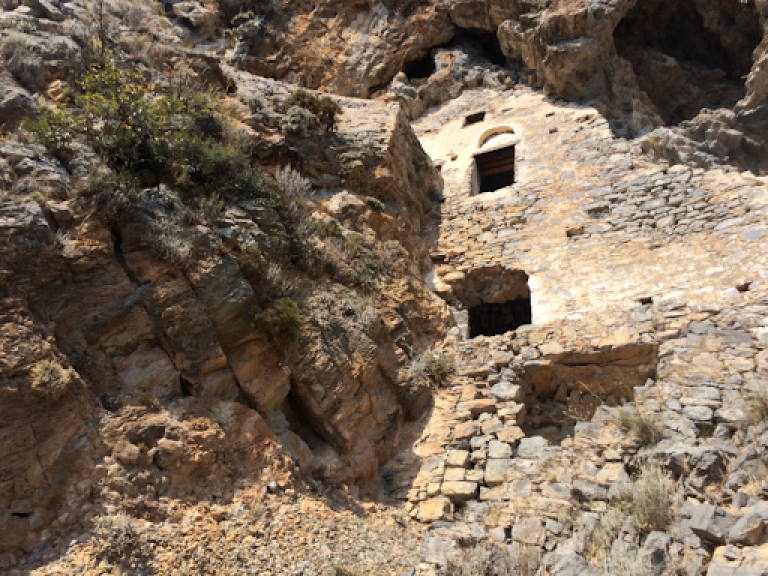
(371, 43)
(153, 331)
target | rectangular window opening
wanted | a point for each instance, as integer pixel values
(475, 118)
(496, 169)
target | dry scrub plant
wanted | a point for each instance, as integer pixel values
(644, 428)
(50, 380)
(519, 560)
(756, 406)
(649, 501)
(651, 498)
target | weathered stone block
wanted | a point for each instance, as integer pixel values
(435, 509)
(496, 471)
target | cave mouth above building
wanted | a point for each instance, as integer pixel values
(495, 169)
(686, 59)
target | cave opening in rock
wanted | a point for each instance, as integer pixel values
(422, 67)
(499, 318)
(484, 45)
(495, 169)
(479, 44)
(689, 55)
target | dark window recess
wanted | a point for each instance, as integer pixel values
(493, 319)
(496, 169)
(475, 118)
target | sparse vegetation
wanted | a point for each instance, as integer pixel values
(650, 501)
(166, 240)
(633, 562)
(517, 560)
(119, 538)
(651, 498)
(646, 430)
(50, 379)
(756, 406)
(324, 108)
(24, 64)
(438, 366)
(280, 320)
(599, 533)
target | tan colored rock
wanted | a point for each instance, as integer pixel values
(459, 491)
(496, 471)
(435, 509)
(458, 459)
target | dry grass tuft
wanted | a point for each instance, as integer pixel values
(756, 406)
(644, 428)
(50, 379)
(651, 497)
(518, 560)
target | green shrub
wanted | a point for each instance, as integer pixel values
(299, 122)
(24, 64)
(325, 109)
(438, 366)
(281, 319)
(52, 129)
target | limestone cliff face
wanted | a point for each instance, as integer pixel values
(142, 344)
(349, 48)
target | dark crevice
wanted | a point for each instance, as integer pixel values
(421, 68)
(186, 386)
(301, 422)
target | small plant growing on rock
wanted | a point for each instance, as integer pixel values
(50, 380)
(438, 366)
(646, 430)
(325, 109)
(299, 122)
(375, 204)
(281, 319)
(651, 498)
(756, 406)
(599, 533)
(516, 560)
(119, 538)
